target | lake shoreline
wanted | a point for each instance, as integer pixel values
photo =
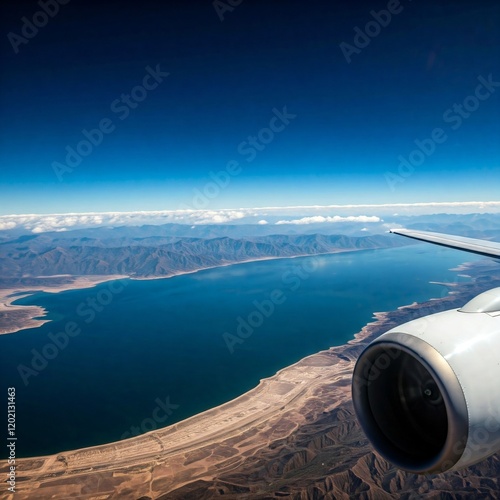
(25, 317)
(221, 439)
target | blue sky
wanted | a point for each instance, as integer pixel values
(259, 109)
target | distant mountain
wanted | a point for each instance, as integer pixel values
(164, 250)
(155, 256)
(471, 225)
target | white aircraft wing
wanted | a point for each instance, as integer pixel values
(481, 247)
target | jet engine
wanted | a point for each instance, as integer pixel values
(427, 393)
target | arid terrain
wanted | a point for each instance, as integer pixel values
(294, 436)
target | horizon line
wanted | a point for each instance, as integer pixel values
(289, 207)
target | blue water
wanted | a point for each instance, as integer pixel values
(175, 341)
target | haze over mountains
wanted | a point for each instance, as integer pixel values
(168, 249)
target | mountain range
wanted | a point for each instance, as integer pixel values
(164, 256)
(164, 250)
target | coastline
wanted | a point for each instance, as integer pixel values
(272, 408)
(221, 439)
(24, 317)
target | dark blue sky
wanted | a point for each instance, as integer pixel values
(340, 129)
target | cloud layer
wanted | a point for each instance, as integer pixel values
(298, 215)
(319, 219)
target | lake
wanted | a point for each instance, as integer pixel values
(138, 355)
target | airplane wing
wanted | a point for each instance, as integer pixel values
(473, 245)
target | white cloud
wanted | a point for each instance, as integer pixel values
(393, 225)
(213, 217)
(437, 204)
(263, 222)
(319, 219)
(39, 223)
(62, 222)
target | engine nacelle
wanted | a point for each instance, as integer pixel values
(427, 393)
